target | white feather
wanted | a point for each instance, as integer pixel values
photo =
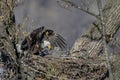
(19, 48)
(45, 44)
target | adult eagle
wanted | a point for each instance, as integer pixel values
(42, 38)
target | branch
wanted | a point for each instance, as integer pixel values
(104, 38)
(9, 32)
(66, 4)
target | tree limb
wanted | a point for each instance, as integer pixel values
(99, 3)
(71, 4)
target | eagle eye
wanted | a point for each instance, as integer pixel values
(48, 32)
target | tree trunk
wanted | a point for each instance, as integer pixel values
(90, 44)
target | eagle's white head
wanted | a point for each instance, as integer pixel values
(46, 44)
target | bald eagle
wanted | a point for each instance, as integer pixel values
(42, 38)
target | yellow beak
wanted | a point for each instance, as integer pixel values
(49, 46)
(46, 33)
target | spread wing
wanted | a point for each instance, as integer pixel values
(57, 40)
(31, 39)
(38, 35)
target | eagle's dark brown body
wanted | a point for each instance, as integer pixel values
(33, 41)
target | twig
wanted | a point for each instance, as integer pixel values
(71, 4)
(35, 70)
(104, 39)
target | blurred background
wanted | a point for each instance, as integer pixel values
(69, 22)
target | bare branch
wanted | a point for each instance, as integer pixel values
(104, 39)
(66, 4)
